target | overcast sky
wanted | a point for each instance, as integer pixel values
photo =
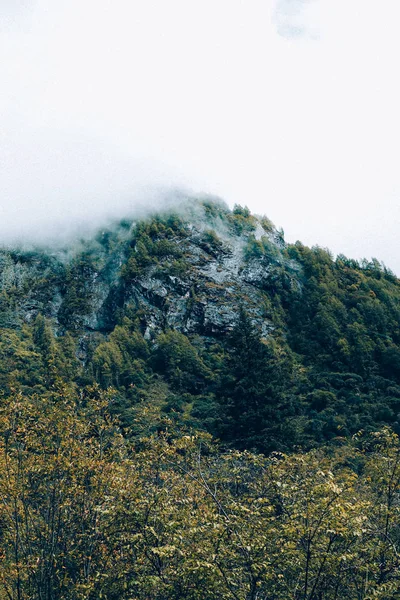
(288, 106)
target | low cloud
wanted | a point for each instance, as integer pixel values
(16, 15)
(291, 19)
(55, 184)
(105, 106)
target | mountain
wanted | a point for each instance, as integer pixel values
(206, 316)
(192, 408)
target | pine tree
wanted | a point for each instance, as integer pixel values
(250, 392)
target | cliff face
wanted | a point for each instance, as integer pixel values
(189, 271)
(215, 278)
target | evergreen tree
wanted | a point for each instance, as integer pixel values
(42, 336)
(250, 391)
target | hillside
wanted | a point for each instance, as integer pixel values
(207, 316)
(192, 408)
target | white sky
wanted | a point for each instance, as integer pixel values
(288, 106)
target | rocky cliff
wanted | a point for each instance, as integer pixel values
(205, 316)
(188, 270)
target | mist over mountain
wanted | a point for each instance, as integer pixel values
(193, 403)
(184, 384)
(101, 102)
(56, 186)
(185, 281)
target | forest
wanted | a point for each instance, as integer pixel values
(193, 408)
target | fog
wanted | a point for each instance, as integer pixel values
(287, 106)
(56, 186)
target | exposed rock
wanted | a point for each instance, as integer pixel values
(216, 276)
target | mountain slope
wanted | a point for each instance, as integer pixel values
(204, 315)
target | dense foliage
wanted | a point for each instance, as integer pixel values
(110, 483)
(87, 513)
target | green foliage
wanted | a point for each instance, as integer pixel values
(211, 238)
(153, 241)
(21, 365)
(8, 318)
(76, 301)
(88, 514)
(176, 358)
(261, 248)
(251, 392)
(42, 336)
(214, 210)
(267, 224)
(241, 220)
(120, 360)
